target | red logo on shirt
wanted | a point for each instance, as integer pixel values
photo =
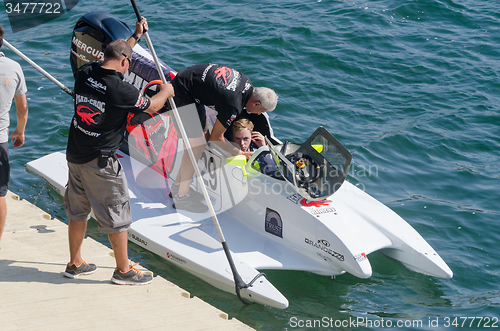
(140, 102)
(86, 114)
(223, 72)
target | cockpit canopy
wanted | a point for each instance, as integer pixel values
(317, 168)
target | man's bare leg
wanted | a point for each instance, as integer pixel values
(3, 214)
(187, 170)
(119, 243)
(76, 234)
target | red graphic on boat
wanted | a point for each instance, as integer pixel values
(147, 128)
(223, 72)
(148, 133)
(86, 114)
(317, 203)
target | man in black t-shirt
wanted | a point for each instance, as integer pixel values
(96, 180)
(228, 92)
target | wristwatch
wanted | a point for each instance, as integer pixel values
(136, 38)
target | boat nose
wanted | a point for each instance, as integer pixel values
(359, 266)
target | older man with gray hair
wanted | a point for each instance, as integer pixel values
(229, 92)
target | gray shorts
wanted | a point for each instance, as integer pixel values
(104, 190)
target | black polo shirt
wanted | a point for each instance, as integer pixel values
(102, 102)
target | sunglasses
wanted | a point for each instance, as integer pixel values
(129, 61)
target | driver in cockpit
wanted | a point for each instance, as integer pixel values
(245, 138)
(248, 141)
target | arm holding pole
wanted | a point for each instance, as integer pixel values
(34, 65)
(141, 26)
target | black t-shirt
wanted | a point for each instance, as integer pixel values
(102, 101)
(224, 89)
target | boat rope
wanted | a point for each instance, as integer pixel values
(238, 288)
(261, 274)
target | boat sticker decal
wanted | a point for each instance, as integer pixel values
(324, 242)
(317, 212)
(314, 207)
(324, 257)
(210, 168)
(175, 258)
(320, 245)
(92, 51)
(154, 136)
(138, 239)
(135, 79)
(318, 203)
(273, 224)
(360, 257)
(295, 198)
(168, 152)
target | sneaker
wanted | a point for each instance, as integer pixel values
(132, 277)
(72, 271)
(189, 204)
(174, 189)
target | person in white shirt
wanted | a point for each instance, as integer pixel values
(12, 86)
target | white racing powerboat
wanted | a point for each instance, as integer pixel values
(288, 207)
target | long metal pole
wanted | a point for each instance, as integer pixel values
(37, 67)
(237, 278)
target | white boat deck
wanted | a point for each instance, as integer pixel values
(36, 296)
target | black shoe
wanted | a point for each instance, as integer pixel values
(174, 189)
(72, 271)
(132, 277)
(189, 204)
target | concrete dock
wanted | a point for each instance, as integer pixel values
(34, 295)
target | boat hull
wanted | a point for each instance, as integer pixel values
(188, 240)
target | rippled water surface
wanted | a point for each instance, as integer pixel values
(411, 88)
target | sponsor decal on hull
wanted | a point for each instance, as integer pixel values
(175, 258)
(315, 203)
(295, 198)
(360, 257)
(273, 223)
(88, 49)
(316, 207)
(323, 245)
(138, 239)
(317, 212)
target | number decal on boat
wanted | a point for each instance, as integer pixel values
(210, 167)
